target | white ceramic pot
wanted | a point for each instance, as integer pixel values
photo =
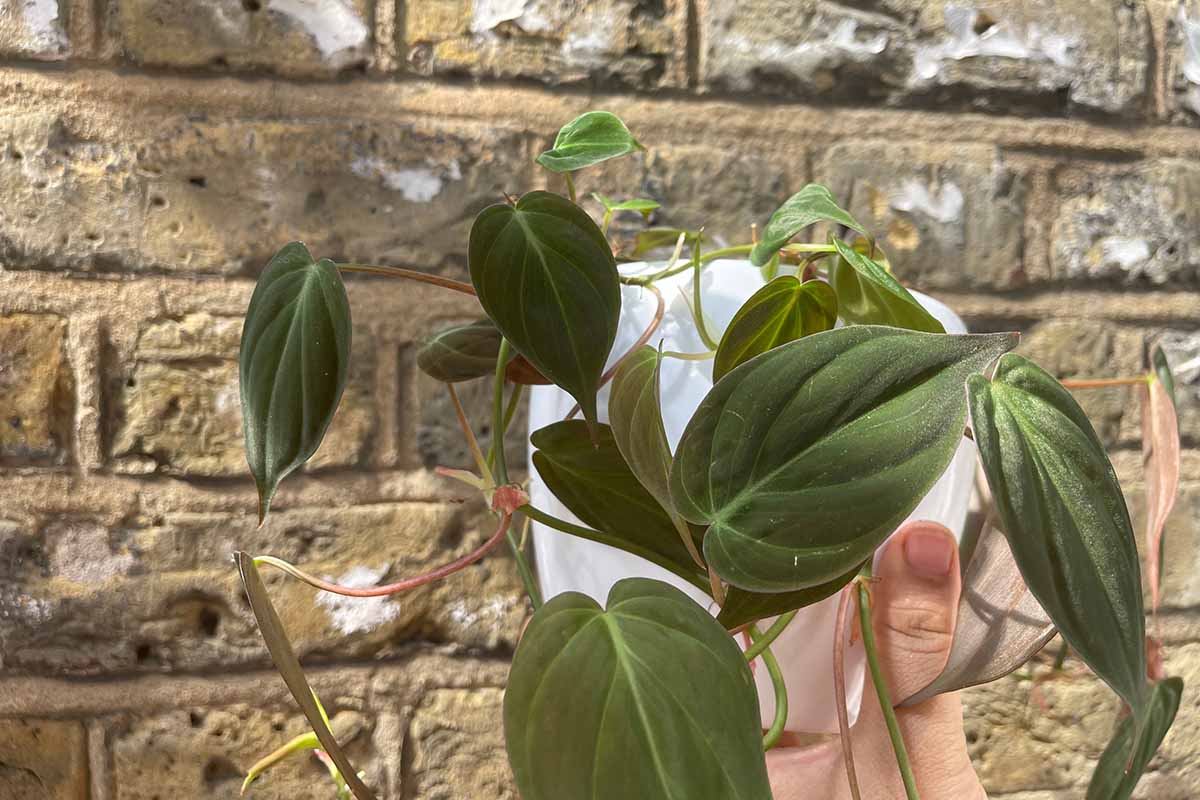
(566, 563)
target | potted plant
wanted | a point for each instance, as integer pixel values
(838, 400)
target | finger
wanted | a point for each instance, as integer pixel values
(915, 605)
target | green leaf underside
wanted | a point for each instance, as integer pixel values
(290, 670)
(643, 207)
(803, 459)
(545, 275)
(742, 606)
(658, 238)
(1111, 781)
(294, 355)
(602, 704)
(461, 353)
(780, 312)
(1162, 371)
(635, 418)
(597, 485)
(1065, 517)
(869, 295)
(589, 139)
(812, 204)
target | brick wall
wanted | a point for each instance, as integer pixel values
(1036, 164)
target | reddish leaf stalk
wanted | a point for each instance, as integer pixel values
(839, 687)
(399, 586)
(1102, 383)
(642, 340)
(410, 275)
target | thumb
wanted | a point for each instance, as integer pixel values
(915, 605)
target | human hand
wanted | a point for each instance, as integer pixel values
(914, 607)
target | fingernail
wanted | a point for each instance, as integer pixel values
(929, 554)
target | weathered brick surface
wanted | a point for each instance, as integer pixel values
(35, 390)
(623, 42)
(1129, 226)
(948, 216)
(1088, 54)
(44, 759)
(34, 29)
(291, 37)
(457, 745)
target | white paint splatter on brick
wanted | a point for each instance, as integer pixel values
(487, 14)
(415, 184)
(844, 44)
(82, 555)
(358, 614)
(42, 25)
(914, 197)
(1001, 40)
(1127, 253)
(1190, 26)
(334, 25)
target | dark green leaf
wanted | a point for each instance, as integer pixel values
(596, 484)
(643, 207)
(589, 139)
(780, 312)
(1063, 511)
(1111, 781)
(293, 360)
(810, 205)
(869, 295)
(461, 353)
(802, 460)
(546, 276)
(658, 238)
(1163, 371)
(649, 700)
(293, 675)
(741, 606)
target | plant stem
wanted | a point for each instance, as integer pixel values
(500, 419)
(551, 521)
(846, 597)
(763, 641)
(881, 690)
(608, 215)
(480, 462)
(771, 738)
(410, 275)
(698, 309)
(705, 356)
(496, 452)
(570, 186)
(1063, 651)
(738, 250)
(514, 402)
(1103, 383)
(399, 586)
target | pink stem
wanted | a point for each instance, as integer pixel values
(399, 586)
(839, 689)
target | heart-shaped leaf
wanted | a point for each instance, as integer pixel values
(1160, 459)
(780, 312)
(1000, 624)
(1061, 506)
(1124, 760)
(741, 606)
(545, 275)
(649, 699)
(869, 295)
(461, 353)
(596, 484)
(802, 460)
(589, 139)
(814, 203)
(292, 364)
